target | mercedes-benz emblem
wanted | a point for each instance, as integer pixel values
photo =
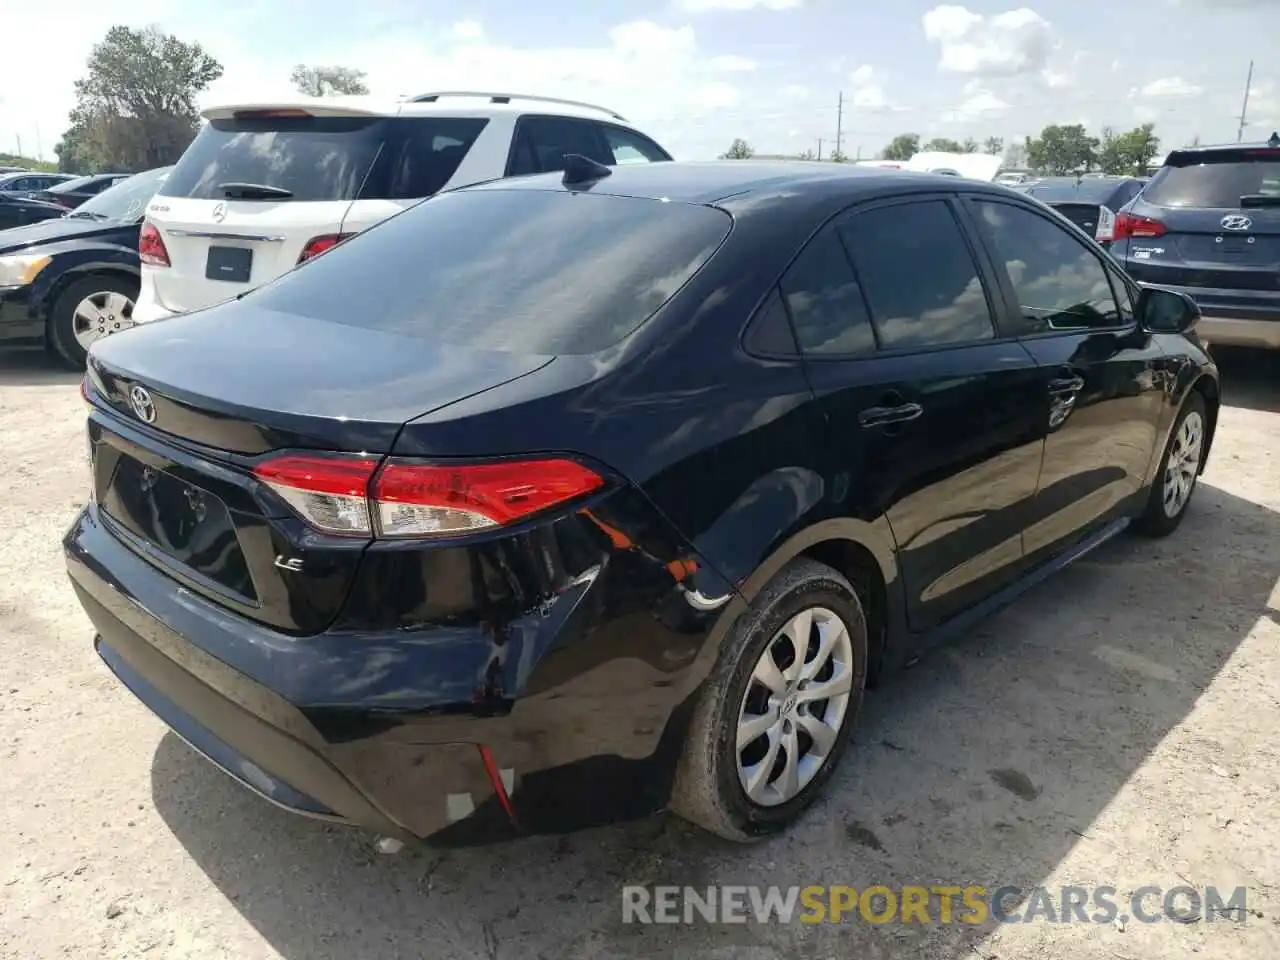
(219, 213)
(1236, 221)
(144, 408)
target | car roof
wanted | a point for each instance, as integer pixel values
(1188, 154)
(446, 104)
(718, 182)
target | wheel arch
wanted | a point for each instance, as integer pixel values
(863, 552)
(1208, 387)
(67, 278)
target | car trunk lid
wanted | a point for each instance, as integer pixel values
(186, 410)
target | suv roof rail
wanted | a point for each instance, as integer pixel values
(508, 97)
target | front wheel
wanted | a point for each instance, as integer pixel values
(1179, 470)
(88, 310)
(775, 715)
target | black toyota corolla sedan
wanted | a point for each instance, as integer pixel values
(560, 500)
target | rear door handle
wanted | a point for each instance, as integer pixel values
(1064, 386)
(880, 416)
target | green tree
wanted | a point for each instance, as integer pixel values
(328, 81)
(738, 150)
(944, 145)
(993, 146)
(1128, 153)
(902, 147)
(136, 105)
(1015, 155)
(838, 156)
(1062, 149)
(970, 145)
(805, 155)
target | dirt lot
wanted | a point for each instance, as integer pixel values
(1118, 726)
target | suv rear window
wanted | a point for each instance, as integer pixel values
(326, 158)
(522, 271)
(1216, 181)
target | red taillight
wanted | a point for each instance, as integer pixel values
(282, 113)
(318, 245)
(341, 495)
(84, 389)
(151, 248)
(417, 500)
(1127, 225)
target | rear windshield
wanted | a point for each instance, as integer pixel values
(1086, 191)
(71, 186)
(1216, 183)
(521, 271)
(325, 158)
(126, 200)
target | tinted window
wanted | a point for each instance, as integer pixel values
(1058, 281)
(920, 279)
(322, 158)
(1217, 182)
(1086, 191)
(428, 154)
(524, 271)
(542, 142)
(826, 305)
(769, 333)
(628, 147)
(22, 183)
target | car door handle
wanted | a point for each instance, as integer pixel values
(1065, 386)
(880, 416)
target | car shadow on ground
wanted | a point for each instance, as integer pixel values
(33, 367)
(987, 762)
(1250, 378)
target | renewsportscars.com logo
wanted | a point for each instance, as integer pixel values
(972, 904)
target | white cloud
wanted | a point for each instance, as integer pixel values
(979, 104)
(868, 92)
(705, 6)
(1170, 88)
(1008, 44)
(465, 30)
(731, 63)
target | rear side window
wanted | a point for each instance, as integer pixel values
(325, 158)
(629, 147)
(918, 275)
(521, 271)
(826, 305)
(541, 143)
(1216, 183)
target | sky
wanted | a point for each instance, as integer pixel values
(695, 74)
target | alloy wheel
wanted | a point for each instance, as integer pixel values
(1183, 465)
(100, 315)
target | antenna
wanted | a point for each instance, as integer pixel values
(581, 171)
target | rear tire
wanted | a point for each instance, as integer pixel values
(762, 744)
(1175, 482)
(91, 308)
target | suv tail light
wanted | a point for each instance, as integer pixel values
(151, 248)
(1128, 225)
(350, 496)
(318, 245)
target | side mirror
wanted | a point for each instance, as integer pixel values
(1166, 311)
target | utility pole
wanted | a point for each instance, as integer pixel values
(19, 144)
(39, 145)
(819, 148)
(839, 123)
(1244, 108)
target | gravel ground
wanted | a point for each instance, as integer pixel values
(1117, 726)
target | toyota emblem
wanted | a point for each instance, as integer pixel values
(219, 213)
(144, 408)
(1236, 221)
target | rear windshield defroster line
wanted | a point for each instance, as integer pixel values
(522, 271)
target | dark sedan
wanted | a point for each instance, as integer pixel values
(1091, 203)
(70, 280)
(72, 193)
(17, 210)
(25, 183)
(556, 500)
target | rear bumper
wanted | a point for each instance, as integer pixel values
(148, 311)
(393, 732)
(1239, 332)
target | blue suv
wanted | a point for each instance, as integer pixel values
(1208, 225)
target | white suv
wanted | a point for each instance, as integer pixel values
(264, 187)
